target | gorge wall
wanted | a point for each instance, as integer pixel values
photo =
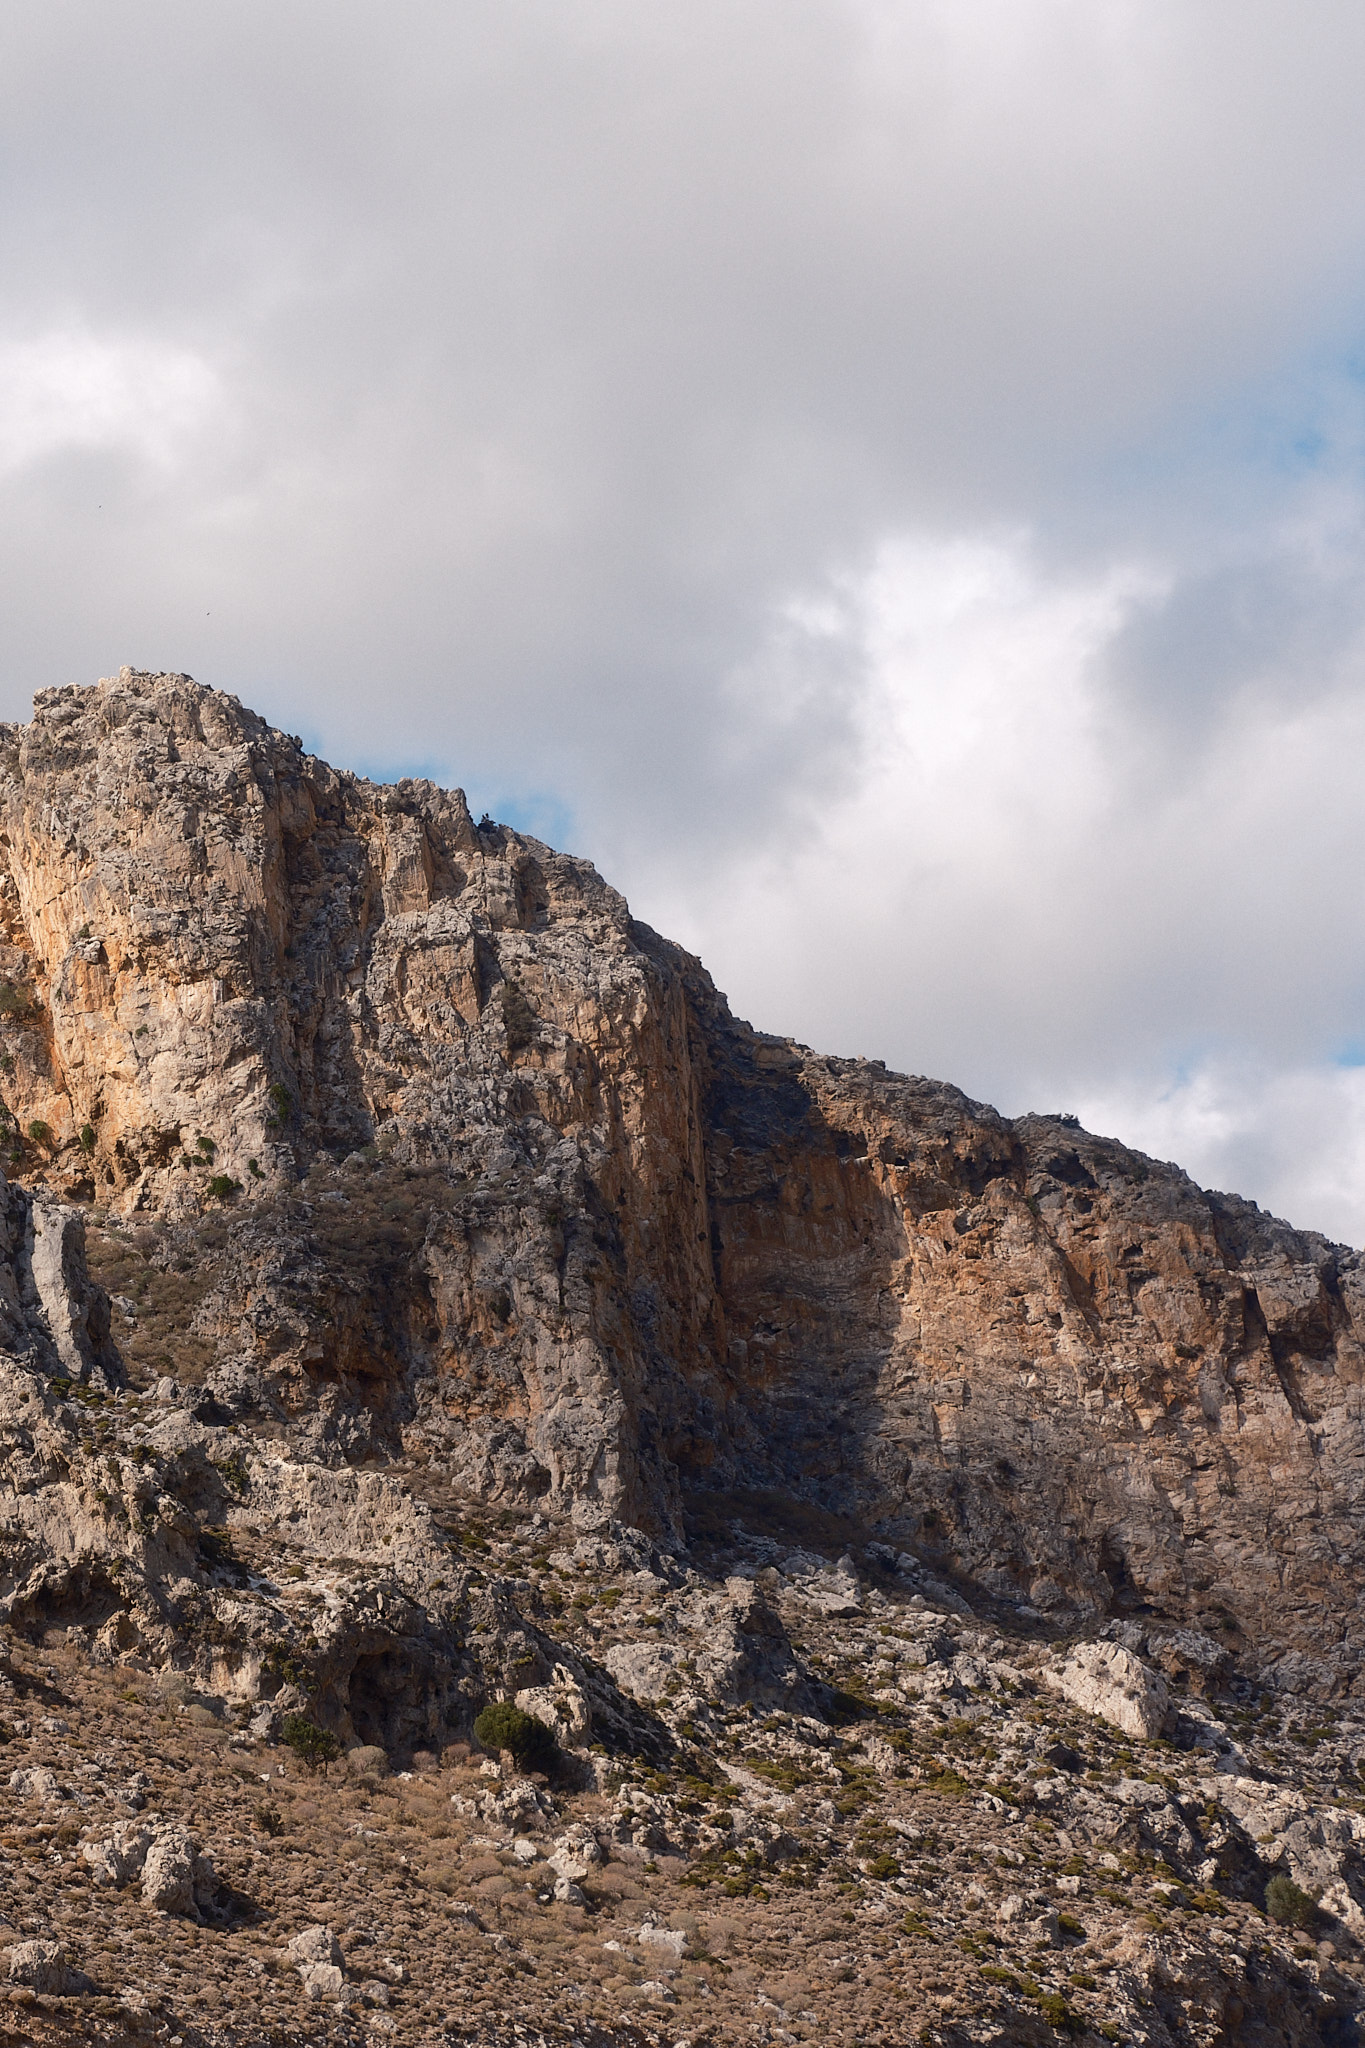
(395, 1132)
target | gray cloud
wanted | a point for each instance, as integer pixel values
(589, 405)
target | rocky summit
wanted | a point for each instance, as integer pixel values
(533, 1512)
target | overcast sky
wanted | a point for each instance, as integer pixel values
(886, 481)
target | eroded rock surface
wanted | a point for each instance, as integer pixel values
(418, 1290)
(402, 1133)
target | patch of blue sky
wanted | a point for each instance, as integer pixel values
(1350, 1054)
(1234, 451)
(538, 814)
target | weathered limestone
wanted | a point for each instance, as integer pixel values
(489, 1169)
(1106, 1680)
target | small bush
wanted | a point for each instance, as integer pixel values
(223, 1187)
(503, 1726)
(40, 1132)
(1289, 1903)
(316, 1747)
(269, 1819)
(87, 1137)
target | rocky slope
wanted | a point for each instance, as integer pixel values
(417, 1288)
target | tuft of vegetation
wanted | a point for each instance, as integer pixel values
(315, 1747)
(87, 1135)
(281, 1106)
(223, 1187)
(1290, 1904)
(40, 1132)
(504, 1726)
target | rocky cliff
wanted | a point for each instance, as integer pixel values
(922, 1533)
(399, 1132)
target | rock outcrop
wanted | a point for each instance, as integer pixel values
(402, 1140)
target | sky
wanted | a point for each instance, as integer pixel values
(885, 482)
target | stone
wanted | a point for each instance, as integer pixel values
(222, 1027)
(673, 1939)
(176, 1876)
(322, 1980)
(35, 1783)
(315, 1944)
(576, 1853)
(43, 1966)
(1108, 1681)
(117, 1858)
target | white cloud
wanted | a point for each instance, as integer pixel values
(1003, 886)
(1296, 1137)
(67, 390)
(886, 478)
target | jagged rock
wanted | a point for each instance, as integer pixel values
(322, 1980)
(36, 1784)
(117, 1858)
(1106, 1680)
(687, 1265)
(1032, 1917)
(672, 1939)
(176, 1876)
(561, 1705)
(43, 1966)
(315, 1944)
(576, 1853)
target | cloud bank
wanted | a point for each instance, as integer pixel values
(884, 482)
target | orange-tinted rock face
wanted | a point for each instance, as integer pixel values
(596, 1239)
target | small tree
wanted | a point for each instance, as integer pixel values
(316, 1747)
(503, 1726)
(1290, 1904)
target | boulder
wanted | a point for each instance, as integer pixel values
(43, 1966)
(673, 1939)
(117, 1858)
(176, 1876)
(314, 1945)
(1108, 1681)
(322, 1981)
(35, 1783)
(575, 1853)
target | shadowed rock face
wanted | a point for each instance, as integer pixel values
(448, 1151)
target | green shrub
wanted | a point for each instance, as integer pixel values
(223, 1187)
(503, 1726)
(87, 1137)
(314, 1746)
(40, 1132)
(1289, 1903)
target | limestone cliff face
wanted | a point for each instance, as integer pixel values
(398, 1132)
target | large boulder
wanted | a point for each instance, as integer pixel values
(43, 1966)
(1108, 1681)
(177, 1877)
